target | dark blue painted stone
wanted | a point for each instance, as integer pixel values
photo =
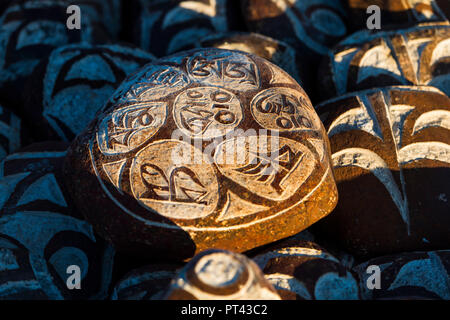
(35, 212)
(146, 283)
(67, 89)
(29, 31)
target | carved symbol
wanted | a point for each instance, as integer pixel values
(151, 83)
(181, 189)
(282, 109)
(128, 128)
(272, 168)
(225, 69)
(207, 112)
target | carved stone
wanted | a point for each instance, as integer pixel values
(106, 13)
(68, 88)
(278, 52)
(414, 56)
(209, 148)
(312, 27)
(146, 283)
(399, 12)
(391, 158)
(13, 133)
(36, 213)
(164, 27)
(29, 31)
(408, 276)
(220, 275)
(302, 270)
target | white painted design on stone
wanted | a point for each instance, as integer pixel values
(369, 160)
(114, 171)
(341, 68)
(332, 286)
(286, 282)
(397, 117)
(423, 273)
(44, 188)
(431, 150)
(362, 118)
(237, 207)
(8, 185)
(440, 52)
(378, 61)
(435, 118)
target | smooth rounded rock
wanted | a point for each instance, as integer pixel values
(391, 160)
(207, 149)
(220, 275)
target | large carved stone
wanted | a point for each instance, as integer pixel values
(407, 276)
(399, 12)
(302, 270)
(13, 133)
(414, 56)
(146, 283)
(278, 52)
(68, 88)
(220, 275)
(391, 159)
(171, 171)
(312, 27)
(163, 27)
(29, 31)
(37, 217)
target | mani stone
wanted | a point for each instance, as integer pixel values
(407, 276)
(400, 13)
(278, 52)
(68, 88)
(365, 60)
(13, 134)
(164, 27)
(36, 212)
(29, 30)
(220, 275)
(210, 148)
(312, 27)
(302, 270)
(391, 159)
(146, 283)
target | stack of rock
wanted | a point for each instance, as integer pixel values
(217, 149)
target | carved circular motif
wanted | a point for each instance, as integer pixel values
(282, 109)
(177, 187)
(207, 112)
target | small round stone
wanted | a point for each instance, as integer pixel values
(220, 275)
(207, 148)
